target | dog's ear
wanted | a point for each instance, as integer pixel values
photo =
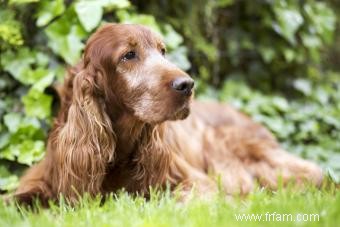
(86, 143)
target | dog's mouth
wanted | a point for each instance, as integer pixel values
(182, 112)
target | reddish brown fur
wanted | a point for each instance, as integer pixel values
(113, 131)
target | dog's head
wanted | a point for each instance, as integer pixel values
(135, 73)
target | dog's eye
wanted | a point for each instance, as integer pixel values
(129, 55)
(163, 51)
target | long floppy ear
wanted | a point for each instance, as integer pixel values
(86, 143)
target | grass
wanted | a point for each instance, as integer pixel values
(163, 210)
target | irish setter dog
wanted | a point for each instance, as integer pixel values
(128, 120)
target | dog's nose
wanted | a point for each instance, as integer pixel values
(183, 85)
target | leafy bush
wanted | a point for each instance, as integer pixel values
(269, 43)
(275, 46)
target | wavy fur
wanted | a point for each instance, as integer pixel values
(117, 128)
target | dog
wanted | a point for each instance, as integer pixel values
(128, 120)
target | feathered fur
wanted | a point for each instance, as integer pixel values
(121, 125)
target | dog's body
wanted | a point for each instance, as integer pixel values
(115, 130)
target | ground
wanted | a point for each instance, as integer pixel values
(313, 207)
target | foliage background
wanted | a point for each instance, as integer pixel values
(277, 60)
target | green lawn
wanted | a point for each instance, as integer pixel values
(163, 210)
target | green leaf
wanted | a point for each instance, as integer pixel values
(27, 152)
(289, 21)
(179, 58)
(10, 30)
(109, 5)
(280, 103)
(18, 64)
(37, 104)
(171, 38)
(29, 129)
(144, 19)
(9, 183)
(89, 13)
(48, 10)
(304, 86)
(34, 76)
(4, 139)
(289, 54)
(44, 81)
(41, 59)
(311, 41)
(31, 151)
(12, 121)
(267, 53)
(65, 37)
(323, 19)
